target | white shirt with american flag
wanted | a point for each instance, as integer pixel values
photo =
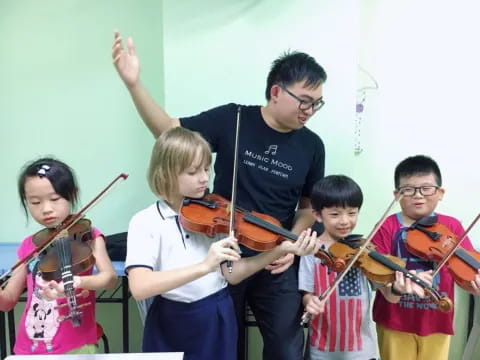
(345, 330)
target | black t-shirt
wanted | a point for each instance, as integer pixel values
(275, 169)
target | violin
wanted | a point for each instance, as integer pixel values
(381, 268)
(68, 255)
(211, 216)
(69, 248)
(432, 241)
(344, 249)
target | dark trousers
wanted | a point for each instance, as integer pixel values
(276, 304)
(205, 329)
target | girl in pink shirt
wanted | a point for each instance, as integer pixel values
(48, 192)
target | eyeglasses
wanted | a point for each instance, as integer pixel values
(427, 190)
(304, 104)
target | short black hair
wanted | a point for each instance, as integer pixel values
(59, 174)
(336, 190)
(293, 67)
(417, 165)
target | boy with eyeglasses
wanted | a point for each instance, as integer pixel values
(279, 162)
(414, 328)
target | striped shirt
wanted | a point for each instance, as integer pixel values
(345, 330)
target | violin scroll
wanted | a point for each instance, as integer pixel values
(444, 304)
(328, 260)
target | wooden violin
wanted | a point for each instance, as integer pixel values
(381, 268)
(211, 215)
(430, 240)
(343, 250)
(69, 254)
(69, 248)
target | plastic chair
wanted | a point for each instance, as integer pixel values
(101, 335)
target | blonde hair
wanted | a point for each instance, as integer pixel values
(173, 152)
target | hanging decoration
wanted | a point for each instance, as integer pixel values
(359, 110)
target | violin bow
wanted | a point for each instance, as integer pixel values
(234, 185)
(306, 317)
(451, 252)
(65, 226)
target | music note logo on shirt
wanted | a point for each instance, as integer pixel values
(272, 149)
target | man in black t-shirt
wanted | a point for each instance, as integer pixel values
(279, 161)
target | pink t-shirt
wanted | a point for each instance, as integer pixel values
(40, 329)
(413, 314)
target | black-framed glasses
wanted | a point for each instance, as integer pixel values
(426, 190)
(304, 105)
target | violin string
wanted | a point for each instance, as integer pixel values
(64, 253)
(67, 275)
(386, 261)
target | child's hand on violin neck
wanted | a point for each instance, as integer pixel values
(223, 250)
(476, 284)
(406, 286)
(52, 290)
(306, 244)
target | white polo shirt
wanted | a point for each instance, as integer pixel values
(156, 240)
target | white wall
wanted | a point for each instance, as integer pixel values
(425, 58)
(424, 55)
(60, 96)
(221, 51)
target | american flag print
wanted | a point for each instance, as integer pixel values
(338, 328)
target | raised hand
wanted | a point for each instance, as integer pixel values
(125, 60)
